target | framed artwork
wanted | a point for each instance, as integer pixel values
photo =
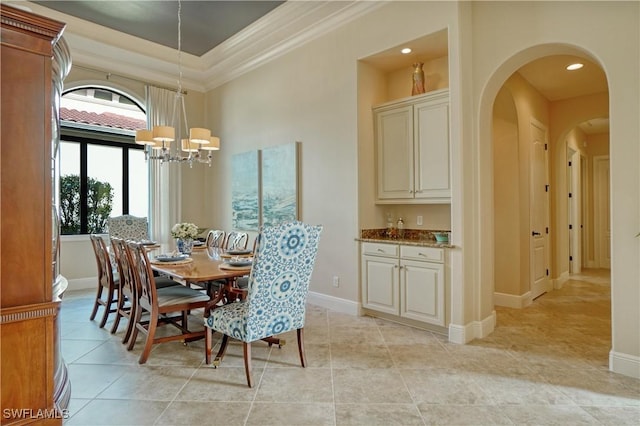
(279, 168)
(245, 191)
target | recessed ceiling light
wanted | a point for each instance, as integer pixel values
(575, 66)
(405, 51)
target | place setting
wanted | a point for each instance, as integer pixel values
(238, 262)
(171, 259)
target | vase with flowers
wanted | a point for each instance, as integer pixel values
(184, 233)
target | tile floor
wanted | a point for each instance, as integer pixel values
(543, 365)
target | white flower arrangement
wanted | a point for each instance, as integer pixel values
(184, 230)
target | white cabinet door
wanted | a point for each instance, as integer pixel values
(431, 133)
(380, 289)
(422, 291)
(394, 136)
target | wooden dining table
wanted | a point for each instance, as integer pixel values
(204, 267)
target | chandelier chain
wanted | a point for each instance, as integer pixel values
(179, 46)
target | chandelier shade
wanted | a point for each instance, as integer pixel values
(164, 133)
(144, 137)
(199, 135)
(159, 141)
(214, 144)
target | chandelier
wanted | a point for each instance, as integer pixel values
(160, 141)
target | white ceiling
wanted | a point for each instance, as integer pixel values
(551, 78)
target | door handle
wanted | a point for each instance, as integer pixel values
(534, 233)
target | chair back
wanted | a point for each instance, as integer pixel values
(128, 227)
(127, 279)
(279, 280)
(215, 238)
(103, 261)
(236, 240)
(143, 275)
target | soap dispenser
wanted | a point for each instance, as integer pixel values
(400, 228)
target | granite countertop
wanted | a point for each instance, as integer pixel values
(410, 237)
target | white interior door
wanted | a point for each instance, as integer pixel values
(539, 212)
(575, 213)
(601, 208)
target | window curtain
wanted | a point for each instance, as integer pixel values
(164, 178)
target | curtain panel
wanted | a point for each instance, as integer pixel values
(164, 178)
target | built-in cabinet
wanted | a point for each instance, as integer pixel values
(406, 281)
(412, 150)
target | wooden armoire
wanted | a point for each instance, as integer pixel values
(34, 61)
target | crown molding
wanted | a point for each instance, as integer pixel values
(284, 29)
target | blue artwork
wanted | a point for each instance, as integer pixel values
(280, 184)
(245, 191)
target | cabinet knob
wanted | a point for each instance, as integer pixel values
(380, 250)
(422, 254)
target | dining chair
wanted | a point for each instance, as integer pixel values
(128, 227)
(276, 294)
(215, 238)
(160, 303)
(127, 294)
(236, 240)
(108, 280)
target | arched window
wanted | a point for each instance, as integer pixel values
(102, 171)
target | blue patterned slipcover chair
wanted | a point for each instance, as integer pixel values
(128, 227)
(276, 293)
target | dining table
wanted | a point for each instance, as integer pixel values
(206, 267)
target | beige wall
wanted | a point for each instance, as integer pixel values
(506, 179)
(314, 95)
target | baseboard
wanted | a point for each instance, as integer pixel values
(628, 365)
(82, 283)
(334, 303)
(463, 334)
(559, 282)
(512, 300)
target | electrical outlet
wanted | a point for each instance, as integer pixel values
(419, 220)
(336, 281)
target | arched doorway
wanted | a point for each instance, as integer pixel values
(516, 102)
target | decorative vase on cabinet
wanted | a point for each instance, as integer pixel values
(418, 79)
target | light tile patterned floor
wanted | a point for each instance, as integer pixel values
(543, 365)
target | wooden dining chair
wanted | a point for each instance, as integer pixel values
(215, 238)
(160, 303)
(236, 240)
(276, 294)
(127, 294)
(108, 280)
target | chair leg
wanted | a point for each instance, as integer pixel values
(303, 358)
(107, 308)
(136, 323)
(96, 303)
(151, 332)
(247, 362)
(119, 309)
(208, 345)
(221, 351)
(131, 324)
